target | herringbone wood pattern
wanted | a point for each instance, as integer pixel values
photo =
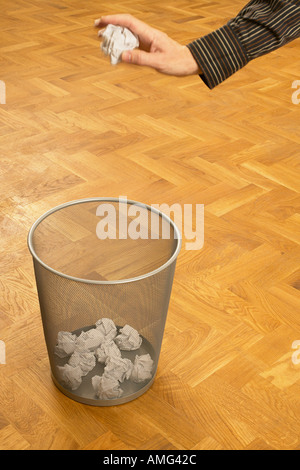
(76, 127)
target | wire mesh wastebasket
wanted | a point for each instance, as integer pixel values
(104, 270)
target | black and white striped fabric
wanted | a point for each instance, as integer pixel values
(261, 27)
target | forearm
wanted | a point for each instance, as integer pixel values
(261, 27)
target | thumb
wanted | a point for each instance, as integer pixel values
(139, 57)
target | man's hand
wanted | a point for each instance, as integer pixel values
(157, 49)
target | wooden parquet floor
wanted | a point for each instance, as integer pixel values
(73, 127)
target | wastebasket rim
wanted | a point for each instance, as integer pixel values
(108, 199)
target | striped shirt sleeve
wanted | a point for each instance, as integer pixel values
(261, 27)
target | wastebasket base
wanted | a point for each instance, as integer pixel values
(97, 402)
(131, 390)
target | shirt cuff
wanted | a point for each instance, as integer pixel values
(219, 55)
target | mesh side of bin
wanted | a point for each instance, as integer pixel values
(81, 279)
(70, 306)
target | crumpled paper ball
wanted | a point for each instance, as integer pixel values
(65, 344)
(106, 350)
(142, 368)
(106, 387)
(118, 368)
(70, 376)
(128, 339)
(107, 327)
(85, 360)
(116, 40)
(89, 340)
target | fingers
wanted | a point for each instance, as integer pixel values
(128, 21)
(140, 57)
(141, 29)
